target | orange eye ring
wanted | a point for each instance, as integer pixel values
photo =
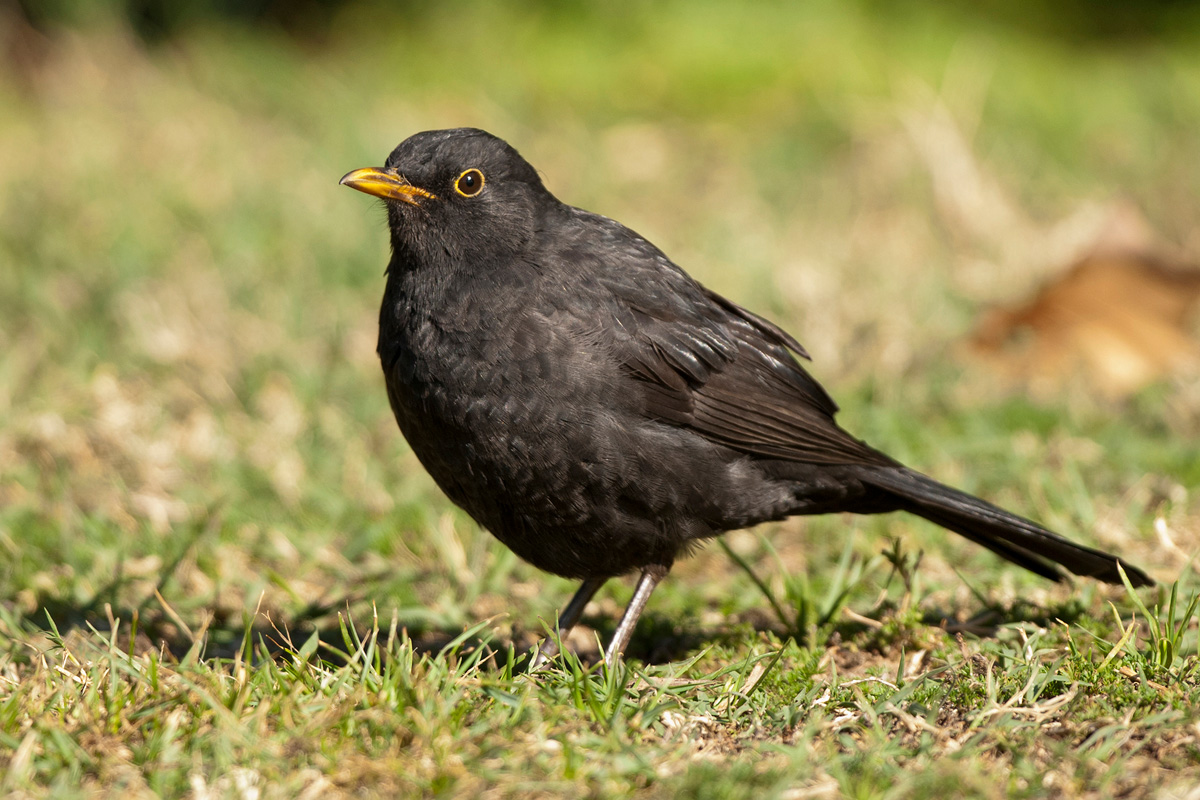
(470, 183)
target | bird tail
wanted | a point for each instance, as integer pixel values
(1019, 540)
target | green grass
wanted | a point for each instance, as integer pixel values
(222, 571)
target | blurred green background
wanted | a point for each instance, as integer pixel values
(189, 396)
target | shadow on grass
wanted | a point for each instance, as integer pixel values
(660, 639)
(155, 627)
(331, 630)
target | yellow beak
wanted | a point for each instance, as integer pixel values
(385, 183)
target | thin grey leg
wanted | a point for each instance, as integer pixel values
(567, 619)
(651, 575)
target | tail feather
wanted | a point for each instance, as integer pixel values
(1017, 539)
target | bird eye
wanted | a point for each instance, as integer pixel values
(469, 183)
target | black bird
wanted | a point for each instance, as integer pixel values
(597, 409)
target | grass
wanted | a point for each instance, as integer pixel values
(224, 574)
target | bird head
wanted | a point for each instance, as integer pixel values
(461, 194)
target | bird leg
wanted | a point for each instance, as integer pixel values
(566, 620)
(651, 575)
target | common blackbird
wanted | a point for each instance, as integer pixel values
(597, 409)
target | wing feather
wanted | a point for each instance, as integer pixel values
(700, 361)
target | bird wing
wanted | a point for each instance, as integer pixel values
(702, 362)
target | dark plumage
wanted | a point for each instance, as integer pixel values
(596, 408)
